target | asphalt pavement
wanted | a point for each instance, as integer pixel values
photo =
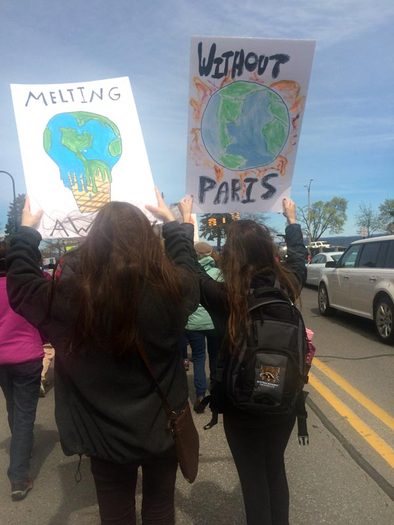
(327, 486)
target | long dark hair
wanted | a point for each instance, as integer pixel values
(249, 250)
(120, 257)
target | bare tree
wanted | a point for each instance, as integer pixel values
(368, 219)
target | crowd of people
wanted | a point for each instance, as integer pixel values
(126, 291)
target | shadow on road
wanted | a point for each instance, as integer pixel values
(209, 503)
(44, 442)
(360, 325)
(199, 507)
(354, 323)
(77, 497)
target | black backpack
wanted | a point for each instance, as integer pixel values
(268, 373)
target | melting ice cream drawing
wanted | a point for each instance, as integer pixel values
(85, 146)
(81, 146)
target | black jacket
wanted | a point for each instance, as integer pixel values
(213, 297)
(213, 293)
(105, 406)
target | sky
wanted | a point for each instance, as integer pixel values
(347, 137)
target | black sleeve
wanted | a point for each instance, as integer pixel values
(296, 252)
(179, 246)
(178, 240)
(28, 289)
(212, 293)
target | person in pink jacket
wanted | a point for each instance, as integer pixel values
(21, 356)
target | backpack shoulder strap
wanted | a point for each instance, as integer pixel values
(265, 296)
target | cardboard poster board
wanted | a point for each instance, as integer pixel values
(247, 99)
(81, 146)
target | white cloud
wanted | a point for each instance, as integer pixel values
(329, 22)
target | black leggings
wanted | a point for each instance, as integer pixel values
(259, 457)
(115, 487)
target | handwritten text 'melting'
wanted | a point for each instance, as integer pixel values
(80, 94)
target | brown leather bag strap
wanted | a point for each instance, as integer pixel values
(170, 413)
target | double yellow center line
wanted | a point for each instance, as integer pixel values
(373, 439)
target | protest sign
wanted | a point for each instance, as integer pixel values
(81, 146)
(247, 99)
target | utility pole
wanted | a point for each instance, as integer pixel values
(308, 187)
(13, 194)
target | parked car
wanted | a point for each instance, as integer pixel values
(362, 283)
(316, 266)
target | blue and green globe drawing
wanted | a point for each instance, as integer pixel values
(85, 146)
(245, 125)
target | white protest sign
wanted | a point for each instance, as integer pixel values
(247, 98)
(81, 146)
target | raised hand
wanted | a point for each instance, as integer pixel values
(289, 210)
(161, 211)
(28, 218)
(185, 207)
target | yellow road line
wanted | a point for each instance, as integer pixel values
(375, 441)
(356, 394)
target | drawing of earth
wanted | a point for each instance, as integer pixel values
(85, 146)
(245, 125)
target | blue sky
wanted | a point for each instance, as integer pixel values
(347, 139)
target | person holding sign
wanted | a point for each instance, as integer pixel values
(119, 292)
(257, 442)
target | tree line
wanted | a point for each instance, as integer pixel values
(330, 217)
(322, 217)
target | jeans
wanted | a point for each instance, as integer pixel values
(21, 386)
(196, 339)
(115, 487)
(183, 347)
(258, 453)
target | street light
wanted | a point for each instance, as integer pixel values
(308, 187)
(13, 193)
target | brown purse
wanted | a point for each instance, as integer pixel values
(183, 430)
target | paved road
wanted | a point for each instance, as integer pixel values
(327, 484)
(353, 385)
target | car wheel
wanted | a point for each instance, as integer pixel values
(324, 303)
(384, 318)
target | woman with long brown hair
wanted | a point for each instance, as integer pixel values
(117, 293)
(250, 261)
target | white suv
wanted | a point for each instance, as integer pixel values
(318, 244)
(362, 283)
